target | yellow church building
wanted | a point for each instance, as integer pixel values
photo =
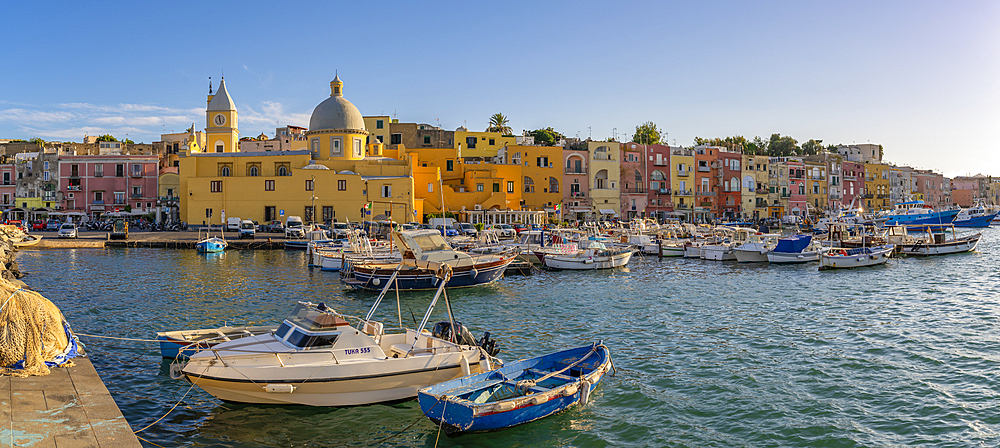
(332, 180)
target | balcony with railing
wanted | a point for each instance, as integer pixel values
(683, 173)
(683, 193)
(785, 195)
(683, 206)
(704, 169)
(135, 173)
(98, 202)
(581, 171)
(136, 196)
(706, 203)
(705, 193)
(663, 191)
(72, 188)
(762, 191)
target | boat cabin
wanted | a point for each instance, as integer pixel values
(312, 327)
(426, 245)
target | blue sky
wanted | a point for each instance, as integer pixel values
(921, 78)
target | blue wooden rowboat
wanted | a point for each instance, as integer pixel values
(519, 392)
(211, 245)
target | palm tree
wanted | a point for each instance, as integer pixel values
(499, 123)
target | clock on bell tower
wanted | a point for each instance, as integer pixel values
(221, 129)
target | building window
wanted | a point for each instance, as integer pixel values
(396, 139)
(357, 147)
(430, 187)
(208, 213)
(315, 148)
(45, 175)
(378, 124)
(309, 213)
(496, 187)
(336, 148)
(120, 170)
(449, 165)
(219, 147)
(253, 171)
(479, 187)
(387, 191)
(224, 171)
(268, 185)
(427, 139)
(309, 185)
(282, 170)
(470, 142)
(341, 185)
(99, 197)
(136, 191)
(492, 142)
(327, 213)
(216, 186)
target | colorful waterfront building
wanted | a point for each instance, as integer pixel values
(777, 190)
(658, 171)
(633, 176)
(576, 182)
(853, 174)
(605, 179)
(878, 186)
(816, 186)
(930, 186)
(705, 183)
(541, 174)
(337, 178)
(682, 181)
(755, 186)
(109, 184)
(796, 187)
(8, 189)
(830, 163)
(728, 177)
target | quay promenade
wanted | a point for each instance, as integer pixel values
(168, 240)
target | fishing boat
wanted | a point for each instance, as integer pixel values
(845, 258)
(918, 213)
(794, 249)
(937, 241)
(592, 255)
(517, 393)
(755, 249)
(723, 250)
(185, 343)
(211, 245)
(424, 252)
(317, 358)
(977, 216)
(26, 240)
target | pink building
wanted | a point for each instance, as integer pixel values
(728, 170)
(7, 186)
(576, 184)
(853, 177)
(96, 185)
(661, 204)
(797, 199)
(633, 181)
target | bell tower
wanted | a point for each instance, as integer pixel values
(222, 121)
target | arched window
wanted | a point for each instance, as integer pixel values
(282, 171)
(553, 185)
(529, 185)
(224, 171)
(658, 175)
(253, 172)
(638, 177)
(515, 158)
(734, 184)
(601, 179)
(748, 183)
(602, 153)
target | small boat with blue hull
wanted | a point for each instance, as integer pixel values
(425, 253)
(916, 213)
(517, 393)
(977, 217)
(211, 245)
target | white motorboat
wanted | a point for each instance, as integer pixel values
(795, 249)
(937, 242)
(593, 255)
(755, 249)
(855, 258)
(317, 358)
(723, 250)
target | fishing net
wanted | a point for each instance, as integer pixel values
(34, 336)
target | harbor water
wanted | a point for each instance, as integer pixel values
(707, 353)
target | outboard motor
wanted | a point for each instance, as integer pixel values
(489, 345)
(443, 330)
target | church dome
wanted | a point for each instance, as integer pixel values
(336, 112)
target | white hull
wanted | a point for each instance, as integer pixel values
(694, 252)
(750, 255)
(719, 253)
(313, 378)
(650, 249)
(672, 251)
(941, 249)
(583, 262)
(831, 260)
(792, 257)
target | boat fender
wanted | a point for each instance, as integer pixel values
(279, 388)
(376, 282)
(570, 390)
(175, 371)
(473, 272)
(484, 364)
(464, 362)
(584, 391)
(861, 258)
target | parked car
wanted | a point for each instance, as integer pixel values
(68, 230)
(447, 231)
(504, 230)
(53, 224)
(233, 224)
(38, 225)
(518, 227)
(247, 229)
(273, 226)
(294, 227)
(341, 230)
(466, 229)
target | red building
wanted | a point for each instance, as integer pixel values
(728, 172)
(102, 184)
(633, 181)
(853, 176)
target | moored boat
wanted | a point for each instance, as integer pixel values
(917, 213)
(937, 242)
(794, 249)
(845, 258)
(517, 393)
(185, 343)
(593, 255)
(211, 245)
(755, 249)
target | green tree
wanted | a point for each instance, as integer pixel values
(499, 123)
(735, 142)
(547, 136)
(107, 138)
(647, 134)
(128, 142)
(37, 141)
(812, 147)
(782, 146)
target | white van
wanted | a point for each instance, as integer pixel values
(233, 224)
(294, 227)
(247, 229)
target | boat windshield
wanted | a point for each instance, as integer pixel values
(432, 241)
(310, 318)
